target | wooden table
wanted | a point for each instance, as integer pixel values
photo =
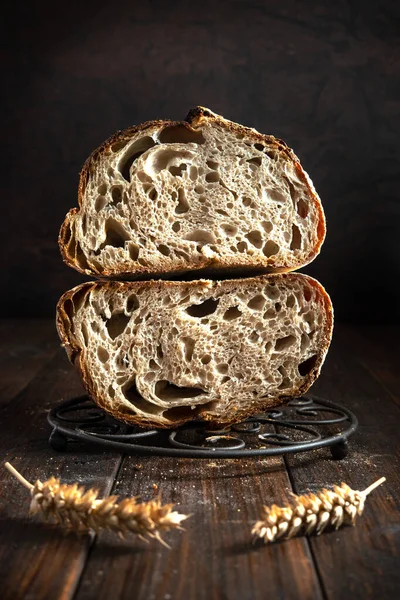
(213, 559)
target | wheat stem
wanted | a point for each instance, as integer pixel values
(18, 475)
(373, 486)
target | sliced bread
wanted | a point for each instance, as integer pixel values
(201, 195)
(160, 353)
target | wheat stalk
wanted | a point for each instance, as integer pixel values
(73, 507)
(312, 513)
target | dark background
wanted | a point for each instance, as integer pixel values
(324, 76)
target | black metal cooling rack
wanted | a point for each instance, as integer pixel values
(304, 424)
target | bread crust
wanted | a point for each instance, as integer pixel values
(75, 354)
(193, 120)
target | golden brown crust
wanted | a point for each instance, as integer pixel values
(75, 355)
(194, 119)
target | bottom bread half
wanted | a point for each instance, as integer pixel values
(160, 353)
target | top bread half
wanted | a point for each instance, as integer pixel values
(202, 195)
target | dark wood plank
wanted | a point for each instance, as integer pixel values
(26, 345)
(379, 353)
(359, 562)
(38, 561)
(214, 558)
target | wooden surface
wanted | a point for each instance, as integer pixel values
(214, 558)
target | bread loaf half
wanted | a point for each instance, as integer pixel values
(160, 353)
(199, 195)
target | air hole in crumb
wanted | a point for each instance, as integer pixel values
(229, 229)
(257, 303)
(242, 246)
(259, 147)
(199, 189)
(255, 161)
(102, 354)
(267, 226)
(119, 145)
(85, 334)
(278, 306)
(307, 294)
(246, 201)
(220, 211)
(295, 244)
(176, 226)
(272, 292)
(222, 368)
(212, 177)
(285, 384)
(208, 307)
(174, 331)
(117, 324)
(200, 236)
(255, 238)
(306, 367)
(163, 249)
(232, 313)
(277, 196)
(132, 395)
(111, 391)
(188, 345)
(272, 154)
(153, 365)
(212, 164)
(302, 208)
(225, 380)
(102, 189)
(116, 235)
(193, 173)
(284, 343)
(100, 203)
(270, 248)
(134, 151)
(206, 359)
(160, 353)
(152, 194)
(132, 303)
(180, 134)
(269, 314)
(254, 337)
(116, 193)
(166, 390)
(305, 342)
(133, 250)
(182, 205)
(291, 301)
(177, 171)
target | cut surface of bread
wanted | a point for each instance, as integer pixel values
(160, 353)
(203, 194)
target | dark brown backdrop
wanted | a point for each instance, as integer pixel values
(324, 76)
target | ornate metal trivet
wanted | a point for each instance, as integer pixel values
(304, 424)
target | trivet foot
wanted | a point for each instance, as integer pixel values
(57, 441)
(340, 450)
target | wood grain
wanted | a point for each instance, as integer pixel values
(38, 561)
(25, 347)
(214, 558)
(366, 555)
